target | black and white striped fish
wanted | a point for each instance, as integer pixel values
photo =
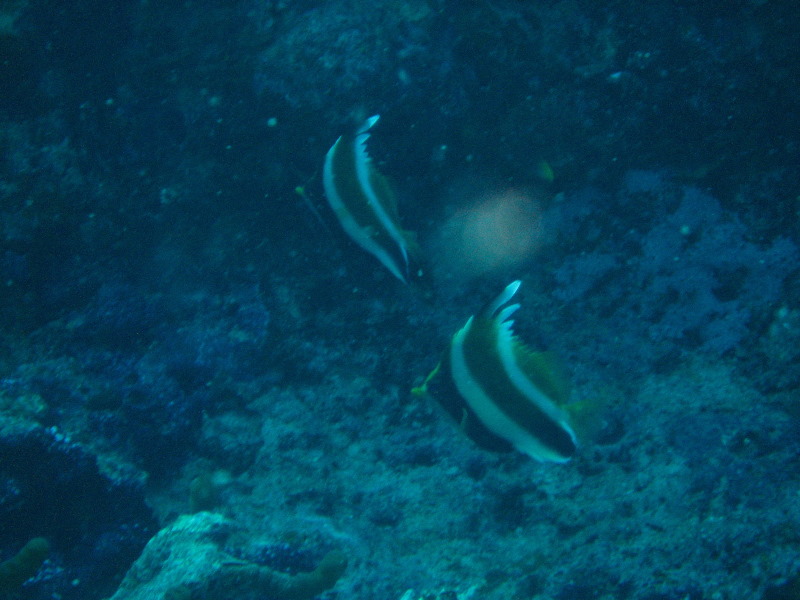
(503, 395)
(364, 202)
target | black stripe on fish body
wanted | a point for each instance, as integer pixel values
(442, 389)
(484, 363)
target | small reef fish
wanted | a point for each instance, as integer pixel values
(503, 395)
(364, 202)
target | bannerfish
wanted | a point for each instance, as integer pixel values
(364, 202)
(503, 395)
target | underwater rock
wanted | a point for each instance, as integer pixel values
(187, 559)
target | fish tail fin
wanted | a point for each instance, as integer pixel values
(587, 416)
(490, 310)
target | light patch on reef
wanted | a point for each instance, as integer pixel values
(491, 232)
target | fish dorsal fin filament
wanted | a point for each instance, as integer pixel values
(490, 310)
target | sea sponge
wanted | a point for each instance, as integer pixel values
(24, 565)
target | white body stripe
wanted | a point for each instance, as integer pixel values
(363, 171)
(505, 349)
(485, 408)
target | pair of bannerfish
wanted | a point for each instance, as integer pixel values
(503, 395)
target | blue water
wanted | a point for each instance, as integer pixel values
(185, 327)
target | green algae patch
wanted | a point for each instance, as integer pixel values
(24, 565)
(246, 577)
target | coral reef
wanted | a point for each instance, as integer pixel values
(669, 268)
